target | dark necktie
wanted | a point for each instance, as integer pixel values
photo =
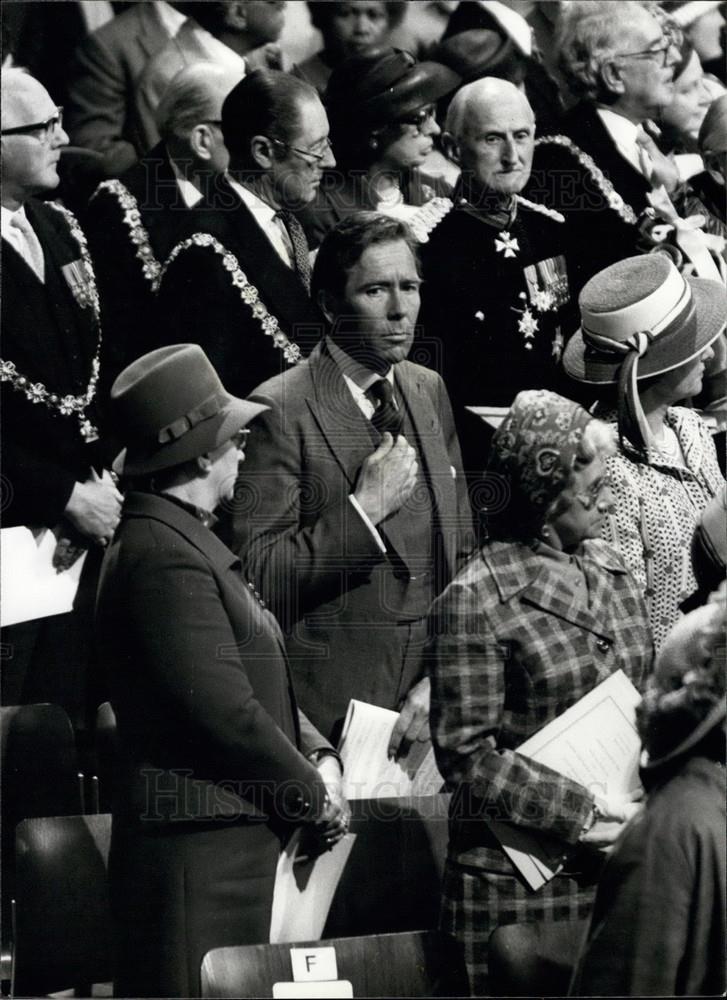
(387, 416)
(299, 244)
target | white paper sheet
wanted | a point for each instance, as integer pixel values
(32, 587)
(304, 890)
(594, 742)
(367, 771)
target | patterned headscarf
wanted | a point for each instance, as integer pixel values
(536, 445)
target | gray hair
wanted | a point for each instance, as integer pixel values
(192, 96)
(590, 33)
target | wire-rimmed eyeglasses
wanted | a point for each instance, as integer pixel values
(310, 156)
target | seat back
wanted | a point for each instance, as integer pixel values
(62, 930)
(410, 964)
(533, 959)
(393, 878)
(106, 743)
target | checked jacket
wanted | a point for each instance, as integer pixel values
(512, 647)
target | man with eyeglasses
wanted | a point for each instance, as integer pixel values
(132, 221)
(54, 475)
(619, 60)
(238, 280)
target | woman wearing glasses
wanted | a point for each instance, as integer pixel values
(543, 613)
(381, 108)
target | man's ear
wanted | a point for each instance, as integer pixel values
(261, 150)
(201, 141)
(236, 15)
(450, 146)
(204, 464)
(611, 76)
(327, 304)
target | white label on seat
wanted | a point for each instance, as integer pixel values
(290, 991)
(313, 965)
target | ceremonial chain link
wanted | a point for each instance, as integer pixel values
(604, 185)
(150, 266)
(36, 392)
(248, 292)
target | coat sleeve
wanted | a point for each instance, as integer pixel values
(463, 527)
(469, 671)
(182, 632)
(98, 96)
(298, 535)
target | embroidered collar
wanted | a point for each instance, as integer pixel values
(248, 292)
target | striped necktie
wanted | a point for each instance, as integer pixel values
(387, 416)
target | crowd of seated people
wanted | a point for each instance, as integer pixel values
(396, 374)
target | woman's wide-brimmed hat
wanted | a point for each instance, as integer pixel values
(685, 698)
(639, 318)
(643, 307)
(384, 86)
(170, 406)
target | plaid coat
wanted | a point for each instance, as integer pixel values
(512, 648)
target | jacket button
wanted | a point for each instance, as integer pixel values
(603, 645)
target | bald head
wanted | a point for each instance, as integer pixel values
(491, 133)
(20, 94)
(196, 94)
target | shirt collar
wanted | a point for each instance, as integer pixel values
(6, 219)
(191, 195)
(171, 19)
(263, 213)
(481, 207)
(353, 371)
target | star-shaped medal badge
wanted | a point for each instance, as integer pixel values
(528, 327)
(506, 244)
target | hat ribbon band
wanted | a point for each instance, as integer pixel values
(641, 340)
(182, 425)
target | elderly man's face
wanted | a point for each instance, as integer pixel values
(647, 78)
(496, 144)
(29, 163)
(297, 169)
(378, 310)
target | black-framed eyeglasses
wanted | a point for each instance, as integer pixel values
(310, 156)
(239, 439)
(46, 128)
(659, 55)
(420, 119)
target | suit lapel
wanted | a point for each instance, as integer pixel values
(342, 424)
(437, 465)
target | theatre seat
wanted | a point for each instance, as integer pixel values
(533, 959)
(410, 964)
(62, 921)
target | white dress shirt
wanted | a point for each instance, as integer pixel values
(191, 195)
(171, 19)
(624, 134)
(265, 216)
(23, 239)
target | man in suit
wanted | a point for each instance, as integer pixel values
(351, 512)
(53, 461)
(239, 35)
(600, 169)
(132, 221)
(102, 113)
(496, 293)
(239, 280)
(219, 764)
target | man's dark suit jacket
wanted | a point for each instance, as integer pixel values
(597, 236)
(50, 339)
(199, 303)
(311, 554)
(102, 113)
(211, 743)
(125, 266)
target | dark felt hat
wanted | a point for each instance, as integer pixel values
(476, 53)
(170, 407)
(385, 86)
